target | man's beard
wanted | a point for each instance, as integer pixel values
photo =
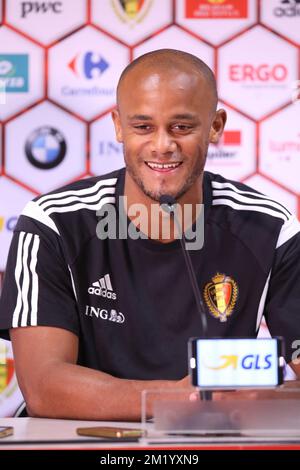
(156, 195)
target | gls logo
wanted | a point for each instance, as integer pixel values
(40, 7)
(109, 315)
(259, 73)
(250, 361)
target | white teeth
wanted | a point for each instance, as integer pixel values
(163, 166)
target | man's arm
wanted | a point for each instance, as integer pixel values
(296, 368)
(54, 386)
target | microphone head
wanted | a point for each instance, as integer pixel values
(167, 203)
(167, 199)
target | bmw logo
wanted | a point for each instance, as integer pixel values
(45, 148)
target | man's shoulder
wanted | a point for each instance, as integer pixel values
(243, 201)
(74, 204)
(83, 185)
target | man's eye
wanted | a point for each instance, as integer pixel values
(182, 127)
(142, 127)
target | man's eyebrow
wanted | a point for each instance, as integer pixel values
(145, 117)
(185, 116)
(139, 117)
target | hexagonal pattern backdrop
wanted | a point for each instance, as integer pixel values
(59, 66)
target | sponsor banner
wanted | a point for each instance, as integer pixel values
(10, 395)
(89, 65)
(21, 72)
(14, 72)
(234, 156)
(35, 17)
(131, 20)
(16, 197)
(215, 20)
(250, 75)
(277, 193)
(50, 149)
(106, 152)
(216, 9)
(280, 147)
(282, 16)
(175, 38)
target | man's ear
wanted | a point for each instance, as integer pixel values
(117, 123)
(217, 126)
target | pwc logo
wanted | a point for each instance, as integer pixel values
(89, 65)
(247, 362)
(257, 73)
(28, 8)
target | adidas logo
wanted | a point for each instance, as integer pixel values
(103, 288)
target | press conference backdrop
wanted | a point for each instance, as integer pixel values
(59, 66)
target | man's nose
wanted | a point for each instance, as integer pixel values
(163, 142)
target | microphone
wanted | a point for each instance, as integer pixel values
(168, 204)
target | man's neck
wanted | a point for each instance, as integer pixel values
(152, 220)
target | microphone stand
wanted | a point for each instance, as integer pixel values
(205, 395)
(169, 204)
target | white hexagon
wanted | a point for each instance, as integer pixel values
(280, 147)
(277, 193)
(234, 157)
(175, 38)
(256, 72)
(84, 71)
(21, 71)
(16, 198)
(282, 16)
(132, 21)
(106, 152)
(46, 21)
(50, 148)
(215, 21)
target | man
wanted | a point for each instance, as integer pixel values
(95, 321)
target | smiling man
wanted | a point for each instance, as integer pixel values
(94, 319)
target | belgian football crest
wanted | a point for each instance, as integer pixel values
(220, 296)
(10, 395)
(131, 11)
(6, 368)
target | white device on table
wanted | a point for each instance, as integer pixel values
(219, 363)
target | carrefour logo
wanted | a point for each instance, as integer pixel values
(14, 72)
(89, 65)
(247, 362)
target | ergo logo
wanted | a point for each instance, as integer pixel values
(261, 73)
